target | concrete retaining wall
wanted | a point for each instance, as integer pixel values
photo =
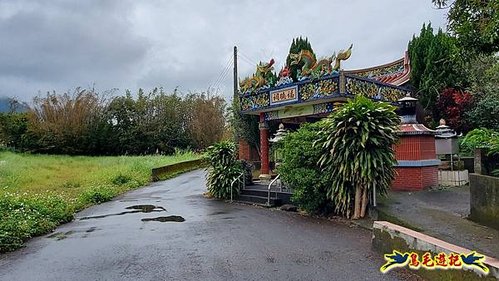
(484, 195)
(453, 178)
(165, 172)
(388, 237)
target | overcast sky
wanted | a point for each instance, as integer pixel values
(59, 45)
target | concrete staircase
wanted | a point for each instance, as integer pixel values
(258, 194)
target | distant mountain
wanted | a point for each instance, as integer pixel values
(5, 104)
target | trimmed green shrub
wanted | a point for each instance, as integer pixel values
(223, 170)
(299, 168)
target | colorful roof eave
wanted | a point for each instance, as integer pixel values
(391, 75)
(336, 95)
(399, 77)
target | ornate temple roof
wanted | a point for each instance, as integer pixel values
(415, 129)
(395, 73)
(320, 86)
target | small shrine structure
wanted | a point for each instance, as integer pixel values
(307, 89)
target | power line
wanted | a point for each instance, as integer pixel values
(224, 69)
(222, 79)
(246, 60)
(249, 58)
(222, 76)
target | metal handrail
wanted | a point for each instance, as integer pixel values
(270, 185)
(231, 189)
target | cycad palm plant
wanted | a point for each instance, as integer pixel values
(358, 142)
(223, 170)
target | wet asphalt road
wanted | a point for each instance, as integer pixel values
(217, 241)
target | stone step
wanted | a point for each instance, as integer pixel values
(255, 192)
(258, 200)
(285, 197)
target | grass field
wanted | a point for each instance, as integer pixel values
(38, 192)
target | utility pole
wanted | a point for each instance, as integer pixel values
(235, 98)
(236, 95)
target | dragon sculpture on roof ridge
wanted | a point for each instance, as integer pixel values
(263, 76)
(313, 68)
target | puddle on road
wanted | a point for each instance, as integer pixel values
(166, 219)
(60, 235)
(92, 229)
(134, 209)
(218, 213)
(146, 208)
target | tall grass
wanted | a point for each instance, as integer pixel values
(38, 192)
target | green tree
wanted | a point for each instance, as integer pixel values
(62, 123)
(120, 113)
(206, 119)
(13, 127)
(153, 122)
(483, 73)
(89, 123)
(474, 23)
(485, 113)
(357, 141)
(434, 66)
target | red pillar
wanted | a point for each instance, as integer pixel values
(264, 148)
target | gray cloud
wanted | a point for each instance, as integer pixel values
(59, 45)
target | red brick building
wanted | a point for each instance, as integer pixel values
(415, 154)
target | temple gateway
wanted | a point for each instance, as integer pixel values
(307, 89)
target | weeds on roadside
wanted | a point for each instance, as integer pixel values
(25, 216)
(39, 192)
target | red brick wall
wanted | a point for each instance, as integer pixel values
(415, 178)
(429, 176)
(408, 148)
(419, 147)
(415, 148)
(428, 147)
(247, 152)
(244, 150)
(407, 179)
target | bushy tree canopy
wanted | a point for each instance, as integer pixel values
(483, 73)
(434, 65)
(88, 123)
(452, 106)
(474, 23)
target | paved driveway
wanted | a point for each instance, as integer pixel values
(121, 240)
